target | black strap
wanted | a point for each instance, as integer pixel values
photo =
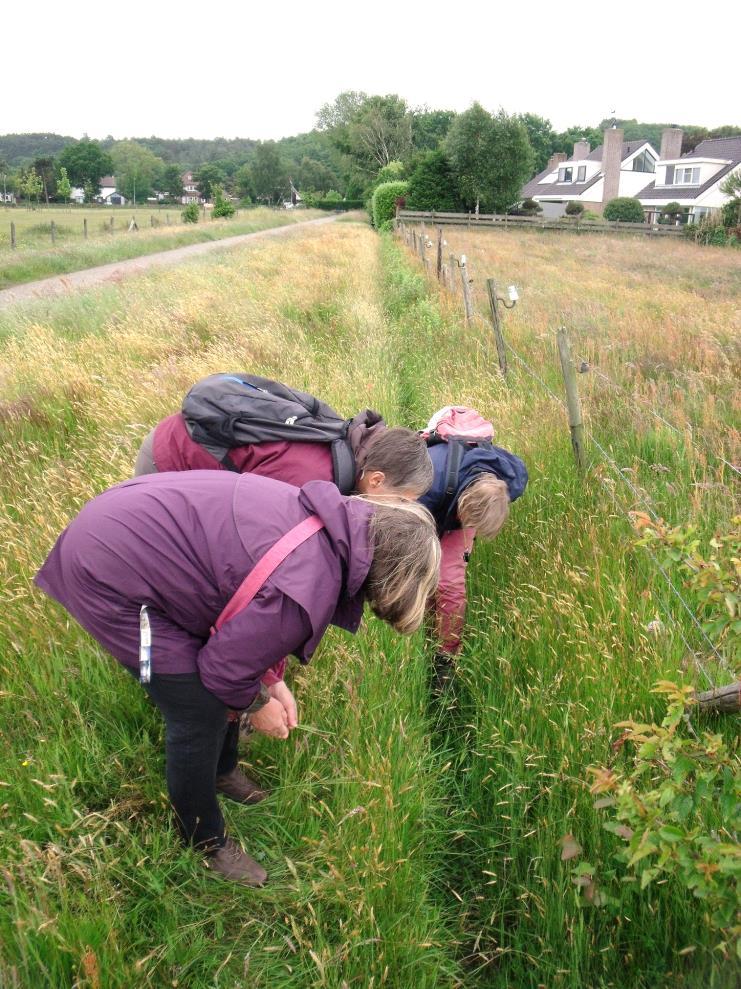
(452, 468)
(343, 465)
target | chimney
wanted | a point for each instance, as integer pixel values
(555, 160)
(671, 143)
(581, 150)
(612, 156)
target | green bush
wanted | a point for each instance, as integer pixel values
(431, 185)
(383, 204)
(190, 213)
(574, 209)
(336, 204)
(624, 208)
(223, 208)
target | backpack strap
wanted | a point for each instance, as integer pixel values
(452, 469)
(343, 465)
(265, 567)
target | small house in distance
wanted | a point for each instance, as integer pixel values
(191, 192)
(107, 194)
(692, 180)
(593, 178)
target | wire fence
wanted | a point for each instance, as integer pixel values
(446, 270)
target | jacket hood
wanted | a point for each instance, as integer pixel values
(364, 428)
(346, 523)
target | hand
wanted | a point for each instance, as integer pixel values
(282, 693)
(271, 719)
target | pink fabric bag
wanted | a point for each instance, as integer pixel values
(458, 422)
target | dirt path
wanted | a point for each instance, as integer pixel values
(114, 272)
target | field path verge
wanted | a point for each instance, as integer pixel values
(117, 270)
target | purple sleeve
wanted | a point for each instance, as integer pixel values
(233, 662)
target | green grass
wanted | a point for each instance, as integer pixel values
(408, 845)
(36, 257)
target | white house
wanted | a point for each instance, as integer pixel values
(593, 178)
(77, 195)
(191, 192)
(692, 180)
(8, 198)
(107, 193)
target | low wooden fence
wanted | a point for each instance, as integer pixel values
(563, 223)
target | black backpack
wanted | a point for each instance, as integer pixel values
(227, 410)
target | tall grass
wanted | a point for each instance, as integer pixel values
(409, 845)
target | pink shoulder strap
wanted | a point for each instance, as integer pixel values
(265, 566)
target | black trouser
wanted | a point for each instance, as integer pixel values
(200, 744)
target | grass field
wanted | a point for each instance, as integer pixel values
(407, 846)
(35, 256)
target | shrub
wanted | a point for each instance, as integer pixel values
(530, 208)
(336, 204)
(574, 209)
(589, 214)
(190, 213)
(431, 185)
(670, 212)
(383, 204)
(223, 207)
(624, 208)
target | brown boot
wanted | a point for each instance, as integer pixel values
(239, 787)
(231, 862)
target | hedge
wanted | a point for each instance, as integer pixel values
(383, 204)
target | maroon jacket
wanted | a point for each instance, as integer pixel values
(182, 544)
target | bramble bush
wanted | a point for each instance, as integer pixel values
(190, 213)
(675, 801)
(383, 204)
(624, 208)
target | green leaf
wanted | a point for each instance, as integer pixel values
(671, 833)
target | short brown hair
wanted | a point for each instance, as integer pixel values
(406, 562)
(402, 456)
(484, 506)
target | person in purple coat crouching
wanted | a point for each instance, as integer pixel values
(148, 567)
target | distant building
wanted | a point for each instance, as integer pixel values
(8, 198)
(692, 180)
(593, 178)
(108, 194)
(77, 195)
(191, 192)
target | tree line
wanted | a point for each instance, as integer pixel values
(473, 160)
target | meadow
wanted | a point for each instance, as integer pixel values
(159, 229)
(410, 844)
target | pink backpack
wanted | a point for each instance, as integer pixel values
(456, 422)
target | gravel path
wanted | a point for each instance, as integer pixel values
(89, 277)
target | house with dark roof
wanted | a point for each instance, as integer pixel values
(692, 180)
(593, 178)
(191, 192)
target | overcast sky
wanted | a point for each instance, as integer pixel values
(262, 70)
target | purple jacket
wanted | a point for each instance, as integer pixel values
(181, 543)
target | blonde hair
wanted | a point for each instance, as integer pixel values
(484, 506)
(406, 562)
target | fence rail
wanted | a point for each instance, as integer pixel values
(536, 222)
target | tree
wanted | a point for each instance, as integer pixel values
(44, 168)
(370, 131)
(208, 177)
(490, 158)
(86, 163)
(339, 113)
(624, 208)
(269, 173)
(190, 213)
(541, 137)
(171, 181)
(430, 128)
(431, 184)
(64, 186)
(136, 168)
(243, 183)
(223, 207)
(32, 185)
(564, 141)
(731, 211)
(314, 175)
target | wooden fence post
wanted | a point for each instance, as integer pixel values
(451, 272)
(53, 231)
(467, 304)
(422, 246)
(572, 398)
(84, 227)
(414, 241)
(439, 266)
(12, 235)
(497, 326)
(111, 224)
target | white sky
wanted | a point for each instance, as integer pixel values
(258, 70)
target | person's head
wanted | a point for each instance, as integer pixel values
(406, 562)
(396, 463)
(484, 506)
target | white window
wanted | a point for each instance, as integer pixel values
(581, 173)
(566, 175)
(686, 176)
